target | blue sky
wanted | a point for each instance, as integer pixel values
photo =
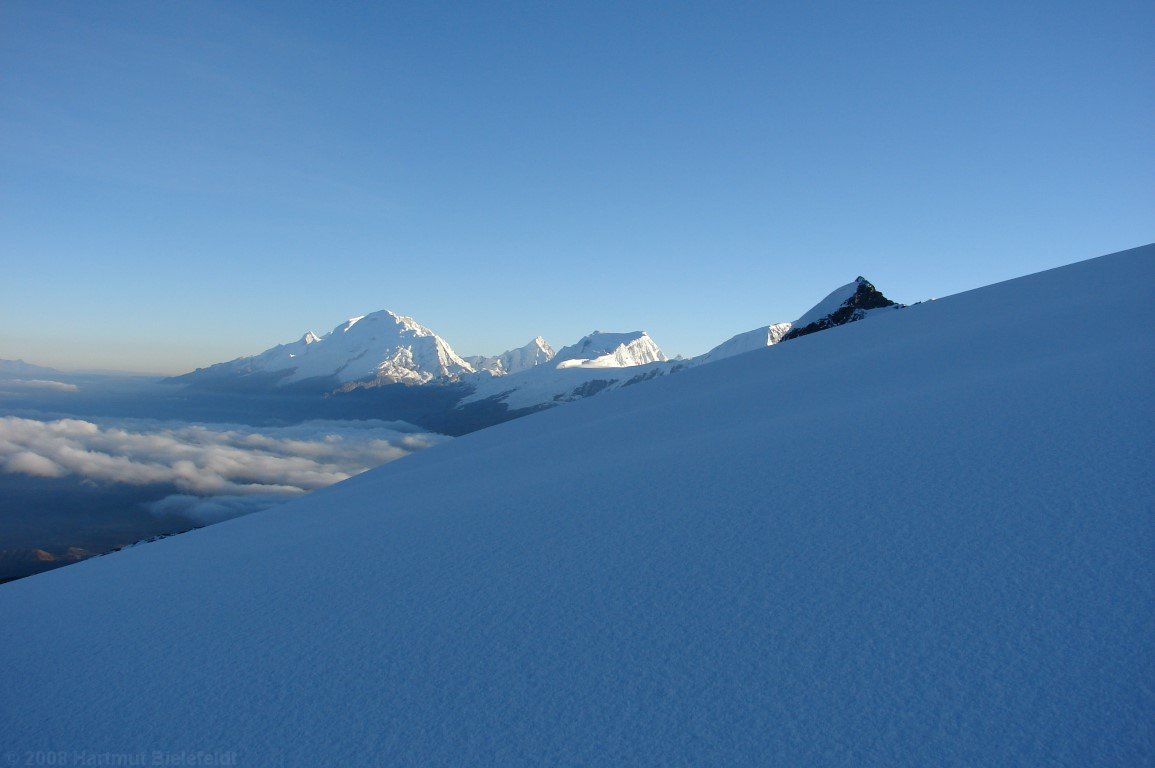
(183, 183)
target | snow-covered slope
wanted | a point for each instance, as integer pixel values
(745, 342)
(536, 352)
(610, 350)
(930, 546)
(381, 347)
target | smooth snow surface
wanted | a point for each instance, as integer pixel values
(758, 338)
(922, 540)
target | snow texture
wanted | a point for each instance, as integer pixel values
(922, 540)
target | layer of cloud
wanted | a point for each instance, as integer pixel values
(42, 384)
(243, 468)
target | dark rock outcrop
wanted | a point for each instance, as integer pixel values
(865, 297)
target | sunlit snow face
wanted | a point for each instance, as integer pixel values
(221, 470)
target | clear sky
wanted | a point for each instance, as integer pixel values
(184, 183)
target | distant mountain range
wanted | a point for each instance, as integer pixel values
(13, 369)
(384, 350)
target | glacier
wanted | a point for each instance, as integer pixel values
(922, 540)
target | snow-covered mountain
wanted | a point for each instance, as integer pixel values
(603, 362)
(384, 348)
(536, 352)
(943, 559)
(379, 347)
(610, 350)
(848, 304)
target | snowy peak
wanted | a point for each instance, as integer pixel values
(540, 345)
(847, 304)
(535, 353)
(385, 347)
(381, 347)
(850, 303)
(758, 338)
(610, 350)
(403, 323)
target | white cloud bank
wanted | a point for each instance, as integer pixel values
(26, 384)
(222, 470)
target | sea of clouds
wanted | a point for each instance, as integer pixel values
(221, 470)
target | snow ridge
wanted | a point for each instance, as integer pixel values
(848, 304)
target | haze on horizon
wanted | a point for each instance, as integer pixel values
(188, 183)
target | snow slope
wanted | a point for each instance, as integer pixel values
(745, 342)
(381, 346)
(546, 385)
(922, 540)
